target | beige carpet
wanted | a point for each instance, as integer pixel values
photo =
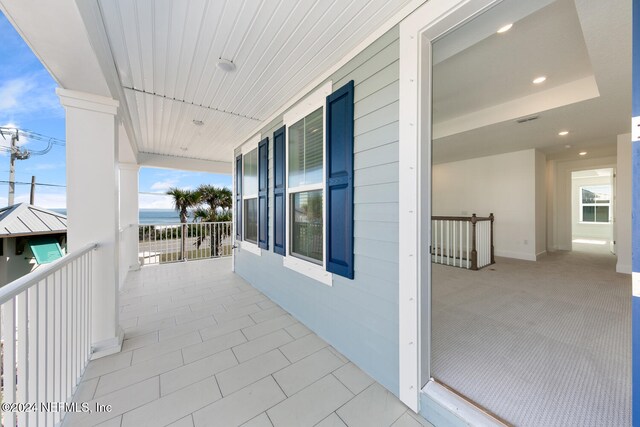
(544, 343)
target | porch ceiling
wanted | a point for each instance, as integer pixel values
(165, 54)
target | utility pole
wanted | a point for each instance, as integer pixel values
(16, 154)
(32, 196)
(12, 168)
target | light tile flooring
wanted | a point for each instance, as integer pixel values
(204, 348)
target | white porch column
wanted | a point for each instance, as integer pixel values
(128, 218)
(92, 204)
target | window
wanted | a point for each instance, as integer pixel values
(595, 203)
(306, 187)
(250, 196)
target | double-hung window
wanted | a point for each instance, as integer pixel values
(250, 196)
(595, 203)
(305, 187)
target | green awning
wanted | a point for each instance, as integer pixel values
(45, 249)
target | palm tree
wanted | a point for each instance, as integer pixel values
(183, 200)
(220, 201)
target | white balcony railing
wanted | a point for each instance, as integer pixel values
(46, 339)
(158, 244)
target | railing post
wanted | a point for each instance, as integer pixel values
(493, 259)
(183, 242)
(474, 252)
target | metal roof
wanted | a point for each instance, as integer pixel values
(24, 219)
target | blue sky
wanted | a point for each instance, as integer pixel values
(28, 101)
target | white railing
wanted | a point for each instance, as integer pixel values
(46, 339)
(465, 242)
(158, 244)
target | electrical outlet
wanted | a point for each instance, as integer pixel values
(526, 242)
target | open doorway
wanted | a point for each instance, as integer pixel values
(592, 211)
(528, 103)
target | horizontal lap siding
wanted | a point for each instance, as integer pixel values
(359, 317)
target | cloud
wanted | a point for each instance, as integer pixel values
(164, 185)
(45, 197)
(152, 201)
(27, 95)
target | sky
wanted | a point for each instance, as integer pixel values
(28, 101)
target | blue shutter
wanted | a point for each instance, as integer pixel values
(279, 193)
(239, 197)
(339, 185)
(263, 186)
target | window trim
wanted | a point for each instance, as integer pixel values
(595, 205)
(310, 104)
(246, 148)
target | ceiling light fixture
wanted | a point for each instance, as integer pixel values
(583, 153)
(226, 65)
(563, 133)
(539, 80)
(504, 28)
(198, 122)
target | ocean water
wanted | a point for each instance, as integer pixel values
(151, 216)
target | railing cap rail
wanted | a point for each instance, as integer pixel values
(23, 283)
(177, 224)
(462, 218)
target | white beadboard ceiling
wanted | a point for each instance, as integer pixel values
(165, 53)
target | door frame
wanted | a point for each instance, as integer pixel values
(417, 32)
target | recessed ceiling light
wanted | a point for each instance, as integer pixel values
(583, 153)
(504, 29)
(226, 65)
(539, 80)
(563, 133)
(198, 122)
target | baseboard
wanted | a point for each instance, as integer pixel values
(540, 255)
(623, 268)
(516, 255)
(107, 347)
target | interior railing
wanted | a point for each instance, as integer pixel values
(462, 241)
(163, 243)
(45, 339)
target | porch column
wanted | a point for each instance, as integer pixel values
(128, 218)
(92, 205)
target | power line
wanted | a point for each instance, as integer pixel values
(35, 136)
(28, 183)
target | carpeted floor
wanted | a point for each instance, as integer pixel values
(544, 343)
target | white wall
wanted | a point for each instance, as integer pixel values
(504, 184)
(601, 231)
(14, 266)
(541, 204)
(622, 224)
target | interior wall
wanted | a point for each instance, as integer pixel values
(541, 203)
(622, 223)
(504, 184)
(560, 210)
(600, 231)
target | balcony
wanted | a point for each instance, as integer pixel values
(202, 347)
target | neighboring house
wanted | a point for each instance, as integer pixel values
(30, 236)
(327, 117)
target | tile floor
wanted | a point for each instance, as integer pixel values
(204, 348)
